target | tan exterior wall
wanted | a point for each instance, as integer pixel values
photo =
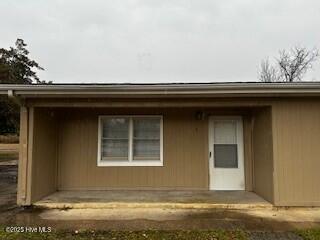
(263, 154)
(60, 152)
(185, 153)
(296, 130)
(43, 154)
(248, 152)
(281, 146)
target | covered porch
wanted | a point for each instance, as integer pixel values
(150, 199)
(62, 150)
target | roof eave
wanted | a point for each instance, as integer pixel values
(164, 90)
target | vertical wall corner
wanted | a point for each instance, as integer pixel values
(23, 157)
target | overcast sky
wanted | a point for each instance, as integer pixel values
(158, 40)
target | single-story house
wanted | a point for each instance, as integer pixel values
(258, 137)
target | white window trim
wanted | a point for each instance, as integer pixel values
(130, 162)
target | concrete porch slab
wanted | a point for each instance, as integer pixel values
(153, 199)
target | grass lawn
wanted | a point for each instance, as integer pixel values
(128, 235)
(311, 234)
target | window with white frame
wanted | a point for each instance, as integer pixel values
(130, 141)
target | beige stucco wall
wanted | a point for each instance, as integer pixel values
(296, 131)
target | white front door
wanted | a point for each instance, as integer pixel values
(226, 166)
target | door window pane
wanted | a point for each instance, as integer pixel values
(225, 155)
(225, 132)
(225, 144)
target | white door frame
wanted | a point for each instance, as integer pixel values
(238, 172)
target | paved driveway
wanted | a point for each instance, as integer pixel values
(8, 183)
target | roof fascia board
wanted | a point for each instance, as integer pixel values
(229, 89)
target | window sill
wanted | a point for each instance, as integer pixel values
(143, 163)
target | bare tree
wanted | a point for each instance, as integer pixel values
(291, 65)
(268, 73)
(294, 64)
